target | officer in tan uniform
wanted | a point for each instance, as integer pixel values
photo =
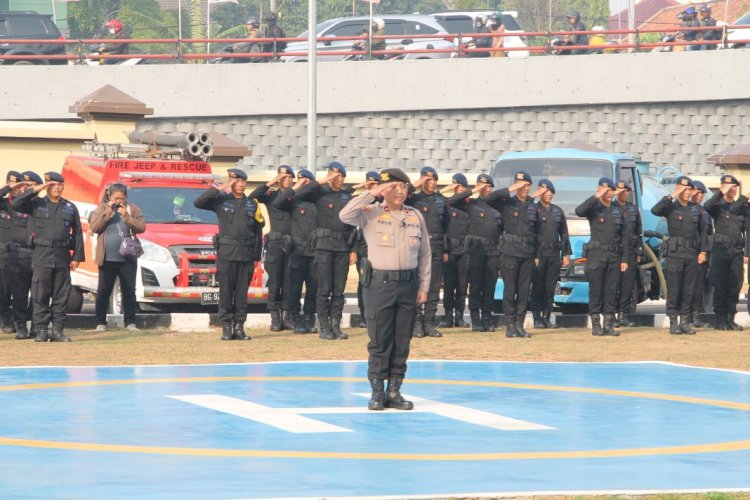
(396, 278)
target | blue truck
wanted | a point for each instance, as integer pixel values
(575, 173)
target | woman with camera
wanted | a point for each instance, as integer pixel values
(115, 222)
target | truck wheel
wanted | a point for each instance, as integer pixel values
(115, 299)
(75, 300)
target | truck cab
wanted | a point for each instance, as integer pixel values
(575, 174)
(178, 266)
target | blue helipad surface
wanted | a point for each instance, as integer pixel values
(302, 430)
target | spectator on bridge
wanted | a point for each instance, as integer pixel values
(575, 24)
(251, 45)
(688, 19)
(496, 27)
(378, 37)
(709, 35)
(273, 30)
(114, 31)
(480, 42)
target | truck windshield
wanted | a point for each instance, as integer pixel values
(574, 179)
(170, 205)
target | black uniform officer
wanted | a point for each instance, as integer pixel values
(520, 228)
(6, 225)
(300, 270)
(684, 250)
(727, 252)
(553, 250)
(58, 249)
(625, 303)
(334, 241)
(434, 208)
(396, 280)
(607, 255)
(372, 178)
(20, 260)
(235, 249)
(456, 268)
(483, 247)
(702, 283)
(278, 245)
(707, 20)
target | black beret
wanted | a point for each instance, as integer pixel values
(236, 173)
(428, 172)
(606, 182)
(684, 180)
(32, 176)
(700, 186)
(393, 175)
(306, 174)
(13, 176)
(486, 179)
(522, 176)
(460, 178)
(372, 175)
(54, 177)
(624, 185)
(337, 167)
(729, 179)
(545, 183)
(285, 169)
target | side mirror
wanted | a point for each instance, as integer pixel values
(408, 41)
(327, 43)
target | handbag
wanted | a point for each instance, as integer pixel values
(130, 247)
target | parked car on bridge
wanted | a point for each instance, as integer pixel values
(34, 26)
(734, 35)
(404, 27)
(462, 22)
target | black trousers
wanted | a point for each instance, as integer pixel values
(300, 271)
(436, 279)
(604, 283)
(482, 278)
(50, 289)
(726, 277)
(332, 269)
(275, 266)
(20, 284)
(455, 281)
(390, 311)
(360, 290)
(681, 274)
(701, 285)
(234, 280)
(627, 284)
(108, 274)
(516, 272)
(6, 313)
(544, 279)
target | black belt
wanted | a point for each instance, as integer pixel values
(595, 245)
(238, 243)
(19, 247)
(386, 276)
(274, 235)
(550, 246)
(436, 237)
(685, 241)
(481, 239)
(299, 242)
(51, 243)
(512, 238)
(723, 238)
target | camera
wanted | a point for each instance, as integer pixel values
(116, 206)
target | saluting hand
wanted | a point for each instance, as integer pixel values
(539, 192)
(600, 192)
(381, 189)
(516, 186)
(42, 187)
(677, 191)
(724, 188)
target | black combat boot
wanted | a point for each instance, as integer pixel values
(310, 323)
(538, 319)
(520, 330)
(418, 331)
(226, 331)
(238, 331)
(276, 321)
(510, 328)
(674, 326)
(325, 328)
(458, 320)
(286, 321)
(8, 326)
(377, 399)
(685, 326)
(393, 397)
(596, 325)
(58, 335)
(447, 319)
(697, 323)
(626, 320)
(488, 320)
(546, 315)
(21, 332)
(41, 334)
(476, 323)
(360, 321)
(336, 329)
(609, 326)
(721, 321)
(731, 323)
(430, 329)
(299, 323)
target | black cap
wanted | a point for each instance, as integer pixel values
(285, 169)
(622, 184)
(729, 179)
(337, 167)
(373, 175)
(429, 172)
(700, 186)
(13, 176)
(306, 174)
(684, 180)
(460, 178)
(486, 179)
(54, 177)
(545, 183)
(236, 173)
(393, 175)
(521, 176)
(606, 182)
(32, 176)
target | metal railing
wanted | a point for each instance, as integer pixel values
(189, 49)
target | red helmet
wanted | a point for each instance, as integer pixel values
(115, 24)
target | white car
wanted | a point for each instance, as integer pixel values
(456, 22)
(739, 33)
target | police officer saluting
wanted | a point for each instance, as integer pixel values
(58, 249)
(399, 279)
(685, 249)
(727, 253)
(235, 249)
(553, 250)
(520, 227)
(456, 268)
(6, 224)
(607, 255)
(701, 282)
(433, 207)
(635, 228)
